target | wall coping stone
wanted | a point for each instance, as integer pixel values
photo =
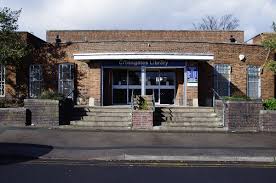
(15, 109)
(46, 101)
(243, 102)
(267, 111)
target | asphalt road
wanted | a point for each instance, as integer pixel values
(78, 172)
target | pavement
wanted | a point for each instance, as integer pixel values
(86, 144)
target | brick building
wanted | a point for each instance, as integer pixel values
(177, 67)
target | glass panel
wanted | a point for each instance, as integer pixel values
(134, 77)
(119, 77)
(156, 94)
(2, 80)
(253, 82)
(152, 78)
(66, 80)
(135, 92)
(166, 96)
(167, 78)
(119, 96)
(222, 76)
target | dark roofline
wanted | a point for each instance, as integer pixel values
(141, 30)
(161, 41)
(262, 33)
(31, 34)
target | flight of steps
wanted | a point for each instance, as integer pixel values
(102, 118)
(189, 119)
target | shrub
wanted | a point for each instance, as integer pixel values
(5, 103)
(270, 104)
(51, 95)
(142, 103)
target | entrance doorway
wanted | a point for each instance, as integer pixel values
(158, 82)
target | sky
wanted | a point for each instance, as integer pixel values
(37, 16)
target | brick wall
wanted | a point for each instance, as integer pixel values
(89, 83)
(263, 36)
(43, 112)
(242, 115)
(268, 120)
(142, 119)
(136, 35)
(13, 116)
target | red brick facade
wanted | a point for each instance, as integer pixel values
(88, 74)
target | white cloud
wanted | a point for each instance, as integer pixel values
(38, 16)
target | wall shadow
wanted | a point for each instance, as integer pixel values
(11, 153)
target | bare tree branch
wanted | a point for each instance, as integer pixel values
(226, 22)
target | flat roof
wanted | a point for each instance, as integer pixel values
(143, 56)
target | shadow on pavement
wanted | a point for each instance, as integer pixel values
(11, 153)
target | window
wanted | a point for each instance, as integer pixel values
(253, 82)
(36, 79)
(66, 80)
(222, 79)
(2, 80)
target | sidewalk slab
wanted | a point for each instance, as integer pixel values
(55, 144)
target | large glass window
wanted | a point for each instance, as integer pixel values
(120, 77)
(66, 80)
(253, 82)
(36, 80)
(222, 79)
(2, 80)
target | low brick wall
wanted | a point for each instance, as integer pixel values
(13, 116)
(142, 119)
(43, 112)
(267, 120)
(241, 115)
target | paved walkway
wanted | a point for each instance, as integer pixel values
(92, 145)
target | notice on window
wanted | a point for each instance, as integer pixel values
(192, 74)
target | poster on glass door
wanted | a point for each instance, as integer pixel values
(192, 74)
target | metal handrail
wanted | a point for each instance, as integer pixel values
(132, 101)
(153, 101)
(69, 93)
(215, 93)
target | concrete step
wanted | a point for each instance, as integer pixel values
(101, 124)
(107, 118)
(191, 119)
(193, 124)
(194, 129)
(127, 110)
(121, 114)
(188, 109)
(188, 114)
(102, 114)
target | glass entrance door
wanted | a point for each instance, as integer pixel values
(125, 83)
(159, 82)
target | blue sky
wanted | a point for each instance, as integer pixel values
(37, 16)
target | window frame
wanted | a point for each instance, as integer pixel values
(61, 78)
(3, 80)
(259, 81)
(31, 93)
(216, 73)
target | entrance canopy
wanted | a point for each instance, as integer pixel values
(144, 56)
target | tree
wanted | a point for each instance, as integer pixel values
(226, 22)
(270, 45)
(273, 26)
(12, 47)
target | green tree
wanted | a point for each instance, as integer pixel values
(12, 46)
(270, 45)
(274, 26)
